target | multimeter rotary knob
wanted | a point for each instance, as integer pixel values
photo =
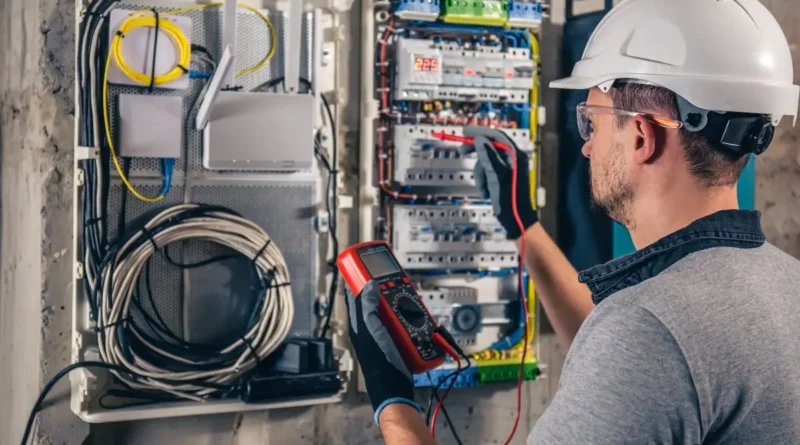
(410, 311)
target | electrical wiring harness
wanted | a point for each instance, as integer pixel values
(171, 365)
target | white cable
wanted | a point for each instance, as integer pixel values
(120, 277)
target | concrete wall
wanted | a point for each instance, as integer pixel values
(36, 138)
(778, 170)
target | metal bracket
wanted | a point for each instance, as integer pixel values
(85, 153)
(229, 36)
(80, 177)
(293, 41)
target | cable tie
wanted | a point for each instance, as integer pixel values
(252, 349)
(280, 285)
(155, 50)
(112, 325)
(149, 236)
(261, 251)
(183, 68)
(120, 34)
(93, 221)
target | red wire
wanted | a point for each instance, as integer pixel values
(444, 396)
(513, 154)
(440, 341)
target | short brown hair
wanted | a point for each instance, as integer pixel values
(708, 161)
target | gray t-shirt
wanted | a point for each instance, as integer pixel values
(705, 352)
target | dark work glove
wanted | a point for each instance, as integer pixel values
(386, 377)
(493, 177)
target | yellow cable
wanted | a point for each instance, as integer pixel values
(121, 173)
(272, 35)
(534, 130)
(136, 20)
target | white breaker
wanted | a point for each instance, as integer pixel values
(451, 237)
(423, 160)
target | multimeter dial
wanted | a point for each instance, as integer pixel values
(410, 311)
(408, 308)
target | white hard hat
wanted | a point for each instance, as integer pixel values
(719, 55)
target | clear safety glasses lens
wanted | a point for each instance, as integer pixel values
(584, 123)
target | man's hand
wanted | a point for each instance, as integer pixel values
(494, 179)
(566, 301)
(386, 377)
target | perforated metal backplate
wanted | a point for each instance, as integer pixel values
(218, 299)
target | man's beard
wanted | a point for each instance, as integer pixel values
(617, 200)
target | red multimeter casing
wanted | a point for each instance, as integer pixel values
(400, 309)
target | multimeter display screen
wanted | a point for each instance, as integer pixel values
(380, 263)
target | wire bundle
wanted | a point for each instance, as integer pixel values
(182, 369)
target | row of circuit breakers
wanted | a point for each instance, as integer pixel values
(446, 66)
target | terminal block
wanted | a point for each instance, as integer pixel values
(525, 14)
(460, 237)
(422, 160)
(480, 12)
(430, 70)
(466, 379)
(426, 10)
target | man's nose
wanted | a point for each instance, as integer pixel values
(587, 149)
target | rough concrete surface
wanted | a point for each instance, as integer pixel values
(36, 92)
(778, 170)
(36, 139)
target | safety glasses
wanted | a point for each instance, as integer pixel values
(585, 113)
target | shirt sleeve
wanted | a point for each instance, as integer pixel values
(625, 382)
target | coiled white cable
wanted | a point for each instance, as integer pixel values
(120, 275)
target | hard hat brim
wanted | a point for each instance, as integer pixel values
(574, 83)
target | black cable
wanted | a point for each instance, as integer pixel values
(439, 385)
(202, 49)
(333, 216)
(155, 50)
(53, 381)
(435, 394)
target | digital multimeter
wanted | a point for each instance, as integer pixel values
(401, 310)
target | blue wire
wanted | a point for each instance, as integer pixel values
(512, 38)
(167, 165)
(199, 75)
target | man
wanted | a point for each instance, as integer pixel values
(692, 339)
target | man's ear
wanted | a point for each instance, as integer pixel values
(645, 146)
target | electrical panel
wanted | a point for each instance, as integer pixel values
(436, 67)
(206, 195)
